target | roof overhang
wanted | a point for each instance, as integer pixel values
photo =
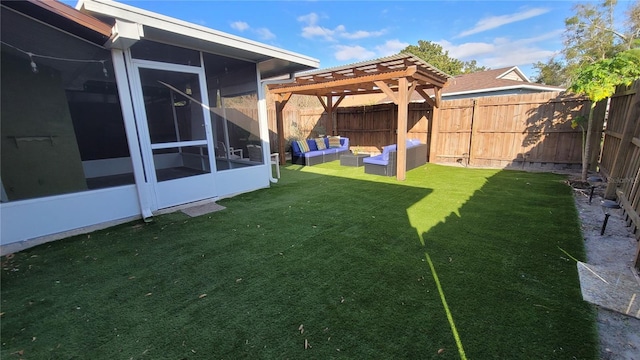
(141, 24)
(65, 18)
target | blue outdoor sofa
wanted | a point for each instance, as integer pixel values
(385, 164)
(315, 156)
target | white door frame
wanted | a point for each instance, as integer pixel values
(171, 192)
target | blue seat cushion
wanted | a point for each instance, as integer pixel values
(376, 160)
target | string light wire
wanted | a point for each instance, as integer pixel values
(34, 66)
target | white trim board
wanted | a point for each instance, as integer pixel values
(158, 21)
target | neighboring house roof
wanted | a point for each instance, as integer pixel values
(132, 24)
(481, 83)
(493, 80)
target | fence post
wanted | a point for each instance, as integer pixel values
(472, 130)
(435, 118)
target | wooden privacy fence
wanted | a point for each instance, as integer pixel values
(368, 128)
(532, 130)
(620, 161)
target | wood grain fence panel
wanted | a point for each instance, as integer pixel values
(620, 161)
(481, 145)
(609, 151)
(454, 130)
(498, 131)
(629, 172)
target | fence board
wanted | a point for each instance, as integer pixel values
(501, 131)
(620, 161)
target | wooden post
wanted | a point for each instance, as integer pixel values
(473, 131)
(334, 117)
(630, 125)
(393, 126)
(282, 101)
(403, 111)
(329, 109)
(429, 135)
(435, 103)
(435, 116)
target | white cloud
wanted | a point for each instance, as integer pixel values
(361, 34)
(493, 22)
(358, 53)
(309, 19)
(526, 56)
(262, 33)
(313, 30)
(239, 25)
(265, 34)
(555, 34)
(391, 47)
(467, 50)
(502, 51)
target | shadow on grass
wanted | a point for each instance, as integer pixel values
(315, 267)
(510, 290)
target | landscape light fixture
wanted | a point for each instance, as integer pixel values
(607, 207)
(594, 181)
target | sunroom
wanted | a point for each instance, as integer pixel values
(111, 113)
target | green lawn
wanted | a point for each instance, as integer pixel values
(451, 263)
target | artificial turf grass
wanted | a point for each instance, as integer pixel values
(529, 278)
(329, 248)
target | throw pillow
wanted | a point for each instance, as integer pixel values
(304, 147)
(334, 141)
(320, 144)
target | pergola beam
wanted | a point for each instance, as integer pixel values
(346, 82)
(426, 97)
(429, 79)
(387, 91)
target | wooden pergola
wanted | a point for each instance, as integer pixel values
(397, 76)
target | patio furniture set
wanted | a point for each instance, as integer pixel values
(317, 151)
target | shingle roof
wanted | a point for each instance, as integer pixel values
(488, 81)
(492, 80)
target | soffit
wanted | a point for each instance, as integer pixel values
(65, 18)
(173, 31)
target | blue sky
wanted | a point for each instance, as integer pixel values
(495, 33)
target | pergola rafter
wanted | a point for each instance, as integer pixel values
(397, 76)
